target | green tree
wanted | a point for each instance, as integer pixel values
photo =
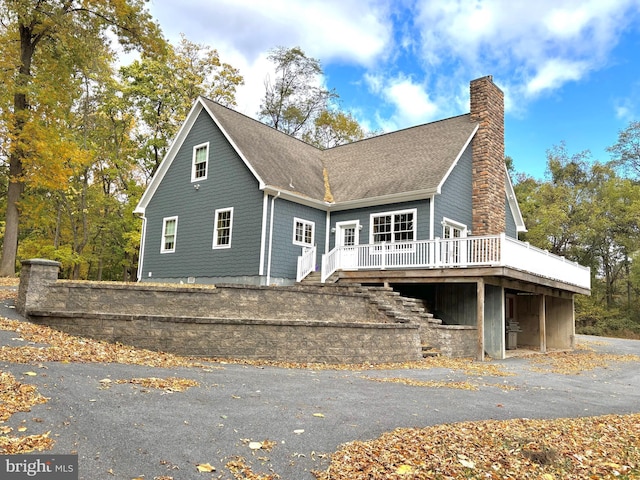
(555, 210)
(162, 89)
(296, 97)
(332, 128)
(298, 104)
(43, 45)
(626, 151)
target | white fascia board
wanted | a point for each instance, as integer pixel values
(296, 198)
(513, 203)
(168, 158)
(235, 147)
(382, 200)
(455, 162)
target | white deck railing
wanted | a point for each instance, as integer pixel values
(491, 250)
(306, 263)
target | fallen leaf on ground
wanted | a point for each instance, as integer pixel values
(205, 467)
(16, 396)
(241, 471)
(171, 384)
(16, 445)
(425, 383)
(605, 447)
(580, 360)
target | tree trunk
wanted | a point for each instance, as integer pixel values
(28, 44)
(10, 244)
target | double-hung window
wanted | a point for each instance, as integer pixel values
(200, 162)
(223, 220)
(303, 231)
(393, 227)
(169, 234)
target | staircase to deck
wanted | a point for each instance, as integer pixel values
(397, 308)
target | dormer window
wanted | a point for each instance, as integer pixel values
(200, 162)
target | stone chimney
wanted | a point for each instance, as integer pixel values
(488, 184)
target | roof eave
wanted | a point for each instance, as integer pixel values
(383, 199)
(295, 197)
(513, 203)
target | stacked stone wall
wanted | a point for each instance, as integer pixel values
(332, 324)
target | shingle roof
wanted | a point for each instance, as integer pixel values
(411, 160)
(280, 160)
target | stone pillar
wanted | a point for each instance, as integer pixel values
(488, 170)
(35, 277)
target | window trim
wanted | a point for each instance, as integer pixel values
(413, 211)
(304, 222)
(447, 222)
(163, 243)
(218, 211)
(204, 145)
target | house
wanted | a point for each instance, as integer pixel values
(429, 210)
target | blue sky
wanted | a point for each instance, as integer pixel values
(570, 69)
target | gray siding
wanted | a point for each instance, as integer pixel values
(284, 255)
(455, 200)
(229, 183)
(364, 216)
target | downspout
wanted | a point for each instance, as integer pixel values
(273, 201)
(327, 230)
(263, 233)
(142, 242)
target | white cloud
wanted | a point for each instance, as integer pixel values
(416, 56)
(243, 31)
(527, 43)
(409, 100)
(412, 103)
(348, 30)
(553, 74)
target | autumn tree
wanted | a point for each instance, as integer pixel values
(332, 128)
(43, 46)
(162, 90)
(586, 211)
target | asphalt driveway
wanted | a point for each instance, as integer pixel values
(126, 431)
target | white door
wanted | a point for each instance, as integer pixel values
(453, 252)
(347, 234)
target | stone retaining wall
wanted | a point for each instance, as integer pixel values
(334, 324)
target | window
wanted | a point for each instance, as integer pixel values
(200, 162)
(303, 232)
(393, 227)
(169, 232)
(222, 228)
(453, 251)
(451, 229)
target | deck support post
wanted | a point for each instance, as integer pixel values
(480, 319)
(543, 323)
